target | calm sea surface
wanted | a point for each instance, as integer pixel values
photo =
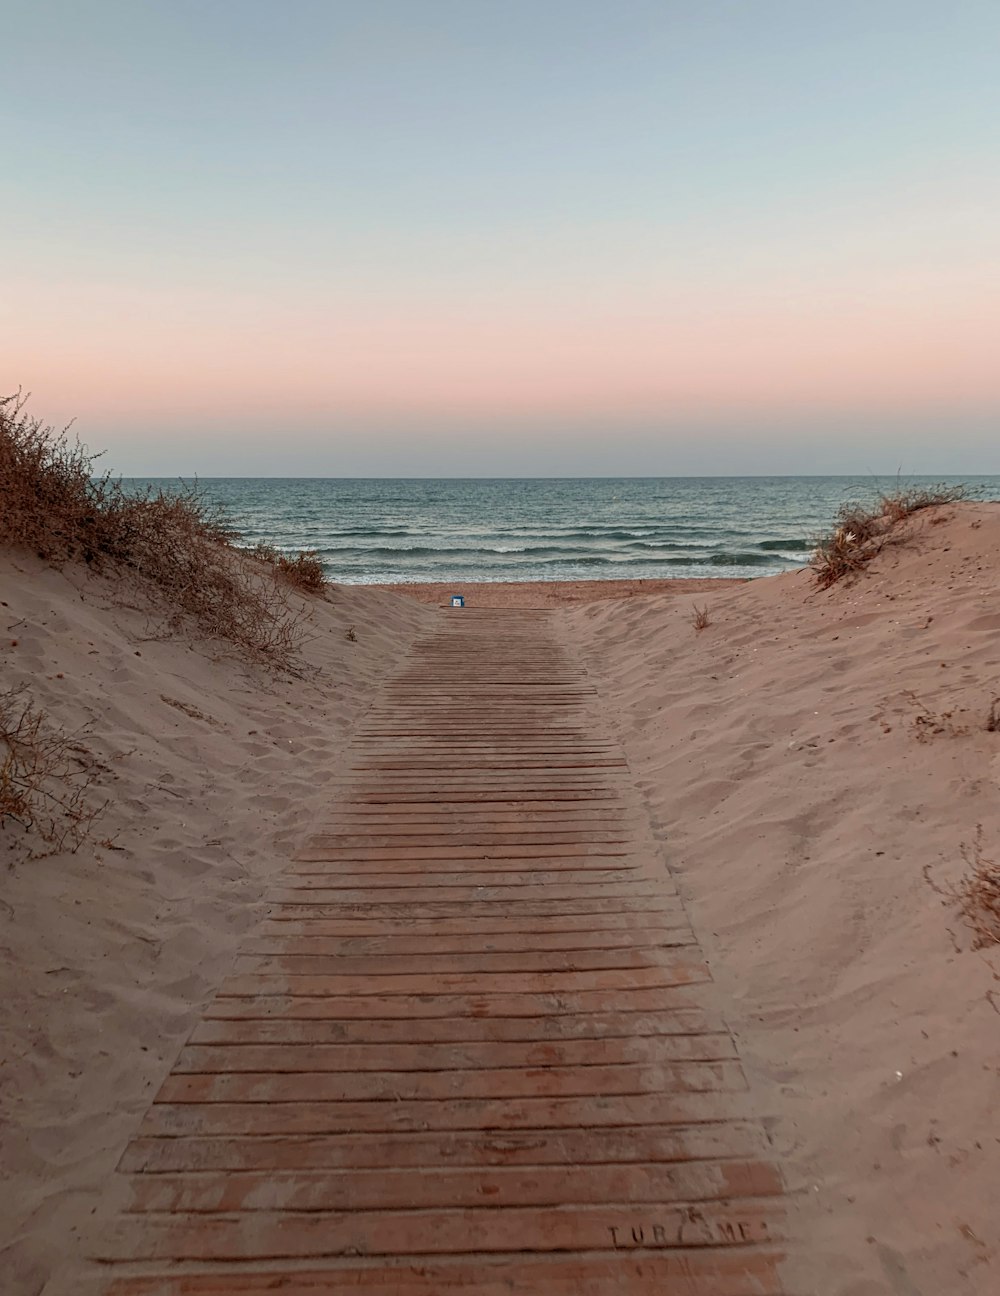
(379, 530)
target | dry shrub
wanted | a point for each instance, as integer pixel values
(201, 576)
(699, 617)
(45, 777)
(177, 547)
(303, 572)
(862, 531)
(977, 894)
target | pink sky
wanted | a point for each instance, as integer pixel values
(394, 227)
(114, 356)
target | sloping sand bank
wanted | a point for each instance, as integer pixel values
(211, 769)
(808, 756)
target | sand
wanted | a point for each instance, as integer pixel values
(807, 758)
(550, 594)
(213, 771)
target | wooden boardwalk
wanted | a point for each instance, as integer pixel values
(469, 1049)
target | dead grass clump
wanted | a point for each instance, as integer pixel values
(928, 723)
(862, 531)
(201, 576)
(45, 777)
(858, 536)
(177, 547)
(900, 503)
(699, 617)
(977, 893)
(303, 572)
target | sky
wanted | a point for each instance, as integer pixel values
(505, 237)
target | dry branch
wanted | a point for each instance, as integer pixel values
(45, 777)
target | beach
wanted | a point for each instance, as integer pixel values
(550, 594)
(500, 650)
(816, 764)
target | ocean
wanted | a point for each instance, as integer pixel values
(587, 528)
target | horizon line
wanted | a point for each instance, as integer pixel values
(553, 477)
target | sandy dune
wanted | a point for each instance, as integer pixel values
(212, 771)
(807, 757)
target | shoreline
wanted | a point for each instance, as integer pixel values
(540, 594)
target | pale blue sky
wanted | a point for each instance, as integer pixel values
(511, 237)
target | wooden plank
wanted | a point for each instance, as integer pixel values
(476, 961)
(401, 1115)
(418, 1086)
(390, 946)
(432, 1188)
(243, 1055)
(492, 930)
(744, 1272)
(407, 909)
(469, 835)
(451, 1030)
(277, 1236)
(728, 1140)
(325, 891)
(469, 1007)
(678, 970)
(378, 875)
